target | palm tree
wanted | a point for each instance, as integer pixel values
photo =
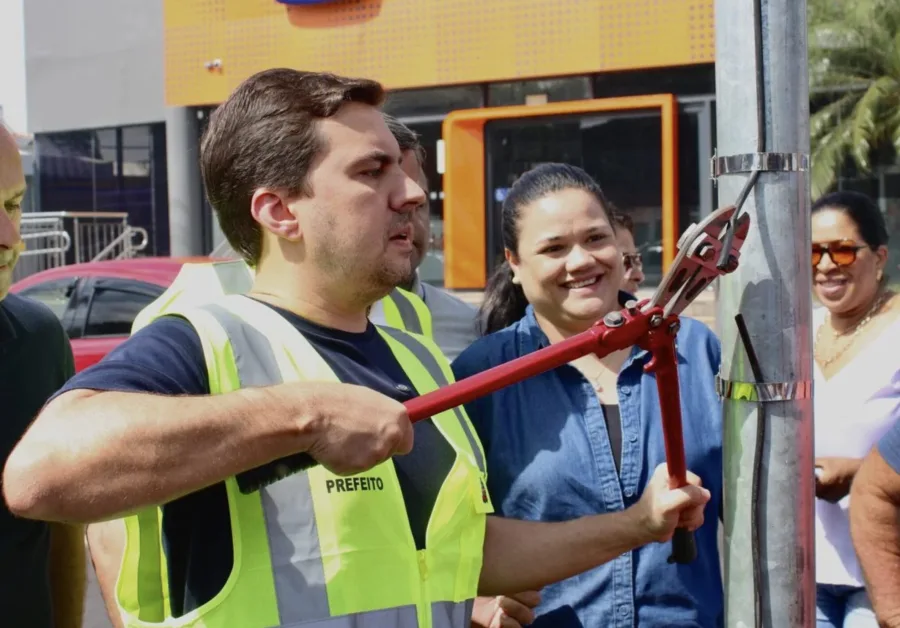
(854, 55)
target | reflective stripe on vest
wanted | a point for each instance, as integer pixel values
(289, 569)
(407, 311)
(427, 359)
(196, 284)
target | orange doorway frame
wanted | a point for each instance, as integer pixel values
(465, 255)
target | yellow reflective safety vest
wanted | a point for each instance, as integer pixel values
(305, 554)
(198, 283)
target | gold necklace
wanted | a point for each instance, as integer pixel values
(850, 334)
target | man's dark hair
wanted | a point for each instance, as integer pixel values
(406, 138)
(622, 221)
(265, 135)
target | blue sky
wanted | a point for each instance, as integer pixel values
(12, 65)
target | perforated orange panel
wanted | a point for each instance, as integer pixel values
(421, 43)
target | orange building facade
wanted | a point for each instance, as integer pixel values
(623, 88)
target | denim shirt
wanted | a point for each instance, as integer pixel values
(549, 459)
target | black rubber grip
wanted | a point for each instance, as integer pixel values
(684, 547)
(260, 477)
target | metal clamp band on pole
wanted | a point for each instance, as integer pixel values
(766, 392)
(758, 162)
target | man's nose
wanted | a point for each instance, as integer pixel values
(9, 232)
(409, 197)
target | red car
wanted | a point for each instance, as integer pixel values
(98, 301)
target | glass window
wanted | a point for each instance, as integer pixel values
(54, 294)
(621, 151)
(890, 205)
(518, 92)
(431, 270)
(431, 102)
(64, 169)
(113, 311)
(119, 169)
(107, 171)
(689, 173)
(691, 80)
(136, 181)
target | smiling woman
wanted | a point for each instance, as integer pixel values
(849, 253)
(560, 249)
(584, 438)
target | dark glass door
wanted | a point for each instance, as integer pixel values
(432, 268)
(621, 151)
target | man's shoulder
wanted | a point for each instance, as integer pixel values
(889, 447)
(164, 326)
(31, 318)
(446, 299)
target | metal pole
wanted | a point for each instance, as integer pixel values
(185, 182)
(771, 289)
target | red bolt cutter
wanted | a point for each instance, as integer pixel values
(651, 324)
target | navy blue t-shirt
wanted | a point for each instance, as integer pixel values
(35, 360)
(166, 357)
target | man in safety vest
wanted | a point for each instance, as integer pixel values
(199, 427)
(198, 283)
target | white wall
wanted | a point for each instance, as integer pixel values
(12, 65)
(93, 63)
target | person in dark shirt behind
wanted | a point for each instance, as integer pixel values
(41, 565)
(875, 521)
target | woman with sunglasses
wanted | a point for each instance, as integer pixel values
(586, 437)
(857, 332)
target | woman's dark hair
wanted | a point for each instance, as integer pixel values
(504, 302)
(862, 210)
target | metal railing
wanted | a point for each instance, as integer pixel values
(55, 239)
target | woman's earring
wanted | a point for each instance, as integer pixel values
(879, 275)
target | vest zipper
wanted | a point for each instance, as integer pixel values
(423, 565)
(423, 587)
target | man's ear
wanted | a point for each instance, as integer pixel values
(272, 211)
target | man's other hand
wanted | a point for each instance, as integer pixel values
(661, 509)
(505, 612)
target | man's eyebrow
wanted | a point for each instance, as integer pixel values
(380, 156)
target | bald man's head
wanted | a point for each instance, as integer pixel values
(12, 192)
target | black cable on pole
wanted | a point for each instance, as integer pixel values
(757, 468)
(761, 413)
